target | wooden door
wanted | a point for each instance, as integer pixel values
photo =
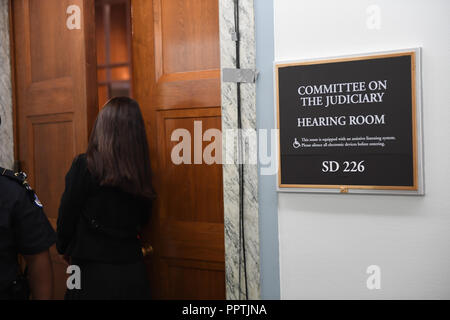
(55, 94)
(176, 80)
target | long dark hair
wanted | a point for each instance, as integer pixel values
(117, 153)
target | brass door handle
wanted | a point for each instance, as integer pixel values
(146, 250)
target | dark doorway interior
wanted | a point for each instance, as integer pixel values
(113, 37)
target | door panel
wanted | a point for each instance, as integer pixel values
(184, 277)
(176, 80)
(186, 35)
(55, 96)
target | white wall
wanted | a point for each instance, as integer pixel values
(327, 241)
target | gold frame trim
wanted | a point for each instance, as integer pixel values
(345, 188)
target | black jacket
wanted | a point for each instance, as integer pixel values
(24, 227)
(99, 223)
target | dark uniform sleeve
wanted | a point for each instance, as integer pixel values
(72, 202)
(32, 230)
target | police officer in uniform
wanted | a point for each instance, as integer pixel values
(25, 230)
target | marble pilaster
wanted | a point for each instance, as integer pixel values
(6, 111)
(235, 286)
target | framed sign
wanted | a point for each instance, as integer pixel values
(350, 124)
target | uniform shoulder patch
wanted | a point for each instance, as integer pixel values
(21, 178)
(36, 201)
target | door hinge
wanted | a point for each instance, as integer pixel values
(239, 75)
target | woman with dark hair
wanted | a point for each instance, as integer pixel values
(106, 201)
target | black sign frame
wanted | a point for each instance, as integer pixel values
(415, 188)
